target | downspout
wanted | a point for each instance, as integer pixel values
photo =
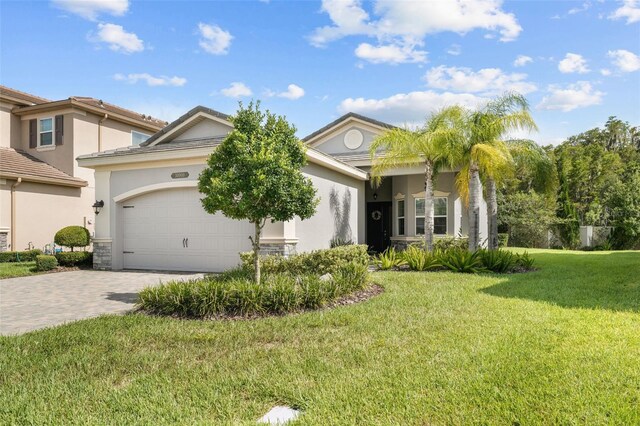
(102, 120)
(13, 213)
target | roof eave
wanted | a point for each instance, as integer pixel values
(75, 183)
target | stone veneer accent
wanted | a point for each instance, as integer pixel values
(282, 249)
(3, 241)
(101, 255)
(401, 245)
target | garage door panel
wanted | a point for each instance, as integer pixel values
(159, 222)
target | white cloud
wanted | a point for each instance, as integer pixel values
(293, 92)
(391, 53)
(90, 9)
(486, 81)
(584, 7)
(118, 39)
(522, 60)
(625, 61)
(605, 72)
(214, 39)
(408, 108)
(404, 24)
(162, 80)
(630, 10)
(237, 90)
(572, 63)
(578, 95)
(454, 50)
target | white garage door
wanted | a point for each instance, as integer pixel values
(169, 230)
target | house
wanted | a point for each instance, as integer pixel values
(42, 187)
(152, 217)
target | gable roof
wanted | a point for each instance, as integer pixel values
(189, 115)
(18, 164)
(347, 116)
(19, 97)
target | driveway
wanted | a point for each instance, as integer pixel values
(40, 301)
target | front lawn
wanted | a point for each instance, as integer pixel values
(559, 345)
(17, 269)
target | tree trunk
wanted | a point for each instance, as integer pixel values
(256, 252)
(474, 207)
(428, 206)
(492, 214)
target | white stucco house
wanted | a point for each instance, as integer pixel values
(152, 217)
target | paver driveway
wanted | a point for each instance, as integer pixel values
(39, 301)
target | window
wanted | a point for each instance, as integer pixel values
(439, 216)
(137, 138)
(400, 216)
(45, 138)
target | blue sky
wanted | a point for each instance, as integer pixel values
(576, 61)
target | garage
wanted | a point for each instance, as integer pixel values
(169, 230)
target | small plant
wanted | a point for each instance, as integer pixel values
(525, 261)
(500, 261)
(459, 260)
(419, 259)
(447, 243)
(503, 240)
(389, 259)
(45, 262)
(74, 258)
(72, 236)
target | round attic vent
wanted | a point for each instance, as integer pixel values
(353, 139)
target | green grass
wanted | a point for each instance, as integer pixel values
(17, 269)
(557, 346)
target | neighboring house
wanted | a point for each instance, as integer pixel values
(153, 219)
(42, 188)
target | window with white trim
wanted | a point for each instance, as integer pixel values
(45, 135)
(400, 216)
(439, 216)
(138, 137)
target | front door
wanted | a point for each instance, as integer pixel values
(379, 225)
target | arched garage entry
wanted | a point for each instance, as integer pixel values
(164, 227)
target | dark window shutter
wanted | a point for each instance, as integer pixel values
(59, 129)
(33, 133)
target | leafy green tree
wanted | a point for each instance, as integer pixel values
(624, 203)
(527, 217)
(72, 236)
(569, 227)
(430, 146)
(255, 174)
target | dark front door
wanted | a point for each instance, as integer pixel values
(379, 225)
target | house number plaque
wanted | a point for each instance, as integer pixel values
(179, 175)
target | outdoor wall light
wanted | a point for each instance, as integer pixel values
(97, 206)
(375, 195)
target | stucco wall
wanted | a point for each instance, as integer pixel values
(339, 213)
(335, 143)
(205, 129)
(10, 128)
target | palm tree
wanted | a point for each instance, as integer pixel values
(426, 146)
(483, 153)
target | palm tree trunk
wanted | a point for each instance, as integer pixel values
(492, 216)
(428, 206)
(474, 207)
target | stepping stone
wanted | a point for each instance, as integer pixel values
(279, 415)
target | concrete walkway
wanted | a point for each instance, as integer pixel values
(39, 301)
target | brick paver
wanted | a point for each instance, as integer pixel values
(39, 301)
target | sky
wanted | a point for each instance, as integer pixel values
(577, 62)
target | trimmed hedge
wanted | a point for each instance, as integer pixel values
(73, 236)
(75, 258)
(235, 294)
(19, 256)
(46, 262)
(318, 262)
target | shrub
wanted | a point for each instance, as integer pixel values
(419, 259)
(503, 240)
(447, 243)
(389, 259)
(499, 261)
(338, 241)
(72, 236)
(525, 261)
(45, 262)
(75, 258)
(235, 294)
(459, 260)
(318, 262)
(19, 256)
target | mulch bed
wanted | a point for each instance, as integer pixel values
(359, 296)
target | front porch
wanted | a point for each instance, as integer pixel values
(395, 210)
